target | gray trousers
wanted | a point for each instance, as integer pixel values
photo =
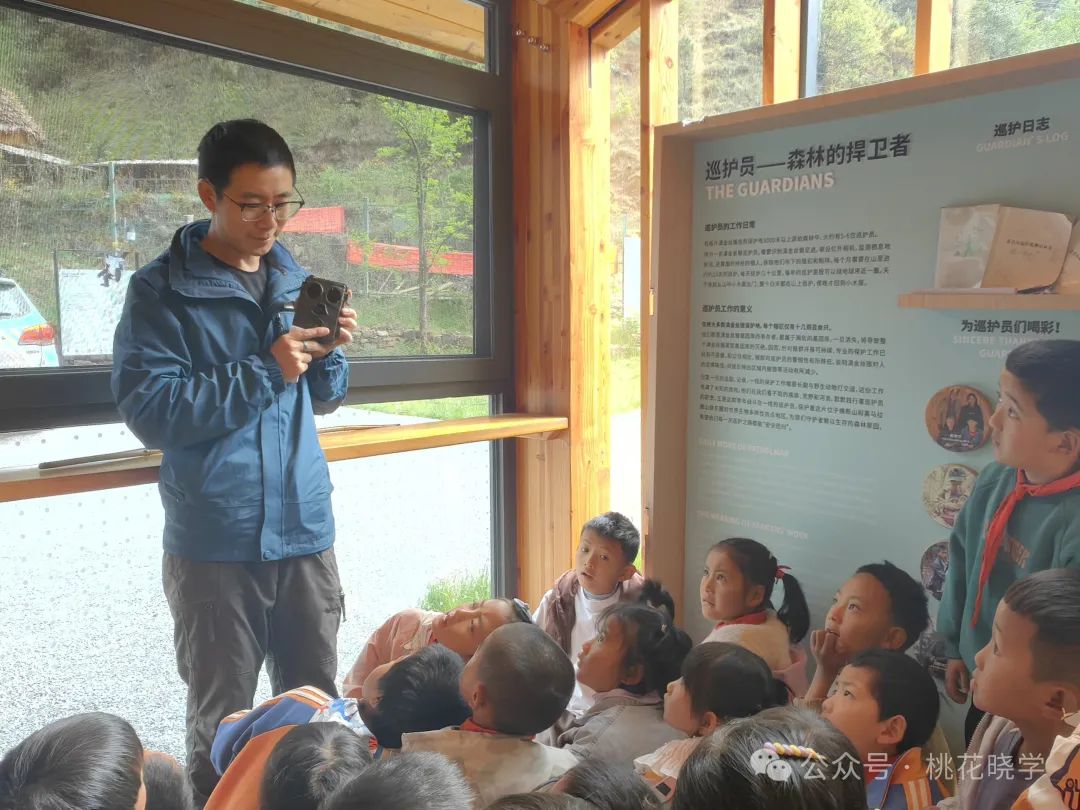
(229, 618)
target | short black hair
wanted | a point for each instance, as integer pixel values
(910, 607)
(654, 595)
(420, 780)
(527, 676)
(1050, 600)
(539, 801)
(86, 760)
(167, 786)
(618, 528)
(309, 763)
(719, 774)
(730, 681)
(230, 144)
(609, 785)
(902, 686)
(419, 693)
(652, 642)
(1049, 370)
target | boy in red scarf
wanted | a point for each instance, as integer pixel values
(1024, 513)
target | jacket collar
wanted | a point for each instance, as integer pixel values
(195, 273)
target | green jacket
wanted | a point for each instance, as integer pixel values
(1042, 533)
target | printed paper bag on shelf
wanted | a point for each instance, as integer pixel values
(1028, 250)
(964, 238)
(1068, 282)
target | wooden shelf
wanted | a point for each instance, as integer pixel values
(976, 301)
(20, 483)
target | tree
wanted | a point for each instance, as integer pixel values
(428, 161)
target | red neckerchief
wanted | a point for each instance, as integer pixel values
(469, 725)
(760, 617)
(995, 533)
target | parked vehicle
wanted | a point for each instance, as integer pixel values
(27, 340)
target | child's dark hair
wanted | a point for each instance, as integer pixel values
(539, 801)
(654, 595)
(420, 780)
(230, 144)
(419, 693)
(608, 785)
(86, 760)
(720, 773)
(167, 786)
(1049, 370)
(309, 763)
(653, 642)
(902, 686)
(760, 567)
(618, 528)
(528, 678)
(910, 609)
(730, 681)
(1050, 600)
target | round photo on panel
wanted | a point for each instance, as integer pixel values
(945, 490)
(934, 566)
(958, 418)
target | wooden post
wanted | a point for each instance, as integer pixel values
(562, 289)
(933, 35)
(782, 51)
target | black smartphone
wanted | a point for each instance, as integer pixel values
(320, 304)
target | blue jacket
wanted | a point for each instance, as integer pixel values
(243, 477)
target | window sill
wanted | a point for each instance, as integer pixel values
(20, 483)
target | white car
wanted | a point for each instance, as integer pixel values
(26, 339)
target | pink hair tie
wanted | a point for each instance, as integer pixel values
(780, 569)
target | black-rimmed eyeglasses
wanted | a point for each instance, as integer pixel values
(282, 211)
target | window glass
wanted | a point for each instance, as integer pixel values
(84, 622)
(863, 42)
(720, 56)
(625, 383)
(97, 174)
(994, 29)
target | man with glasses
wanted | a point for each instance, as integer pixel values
(208, 368)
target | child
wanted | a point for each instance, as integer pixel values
(420, 781)
(419, 693)
(539, 801)
(1027, 680)
(719, 682)
(86, 760)
(602, 576)
(781, 759)
(1021, 515)
(310, 763)
(736, 593)
(516, 685)
(461, 630)
(637, 652)
(166, 783)
(881, 607)
(607, 785)
(886, 703)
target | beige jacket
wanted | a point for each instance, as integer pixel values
(495, 765)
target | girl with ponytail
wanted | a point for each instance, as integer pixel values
(737, 595)
(636, 653)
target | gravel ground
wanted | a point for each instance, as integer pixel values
(83, 622)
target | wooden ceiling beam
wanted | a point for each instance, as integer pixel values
(585, 13)
(453, 27)
(623, 20)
